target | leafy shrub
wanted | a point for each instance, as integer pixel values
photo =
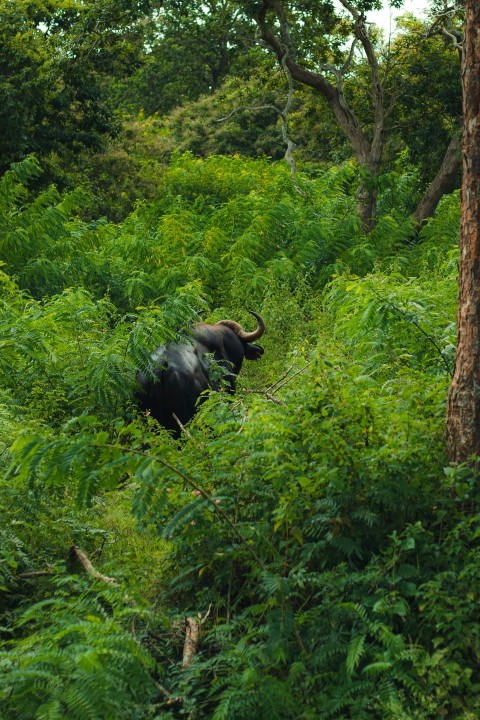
(393, 322)
(312, 512)
(310, 525)
(75, 660)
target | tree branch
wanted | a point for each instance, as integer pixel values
(361, 32)
(442, 183)
(37, 573)
(443, 25)
(270, 391)
(316, 80)
(192, 637)
(84, 561)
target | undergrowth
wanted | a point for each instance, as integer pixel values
(311, 523)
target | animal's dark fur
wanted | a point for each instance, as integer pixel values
(181, 369)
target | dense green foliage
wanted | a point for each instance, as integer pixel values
(433, 63)
(313, 513)
(57, 58)
(199, 45)
(310, 525)
(105, 93)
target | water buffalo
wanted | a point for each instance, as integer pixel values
(182, 370)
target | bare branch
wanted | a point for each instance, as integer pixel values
(443, 25)
(182, 426)
(282, 377)
(270, 391)
(289, 379)
(349, 59)
(362, 34)
(266, 394)
(316, 80)
(338, 72)
(454, 37)
(284, 115)
(192, 637)
(84, 561)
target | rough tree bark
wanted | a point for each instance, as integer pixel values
(444, 182)
(463, 408)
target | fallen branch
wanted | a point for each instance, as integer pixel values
(37, 573)
(192, 637)
(84, 561)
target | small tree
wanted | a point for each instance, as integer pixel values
(274, 24)
(463, 411)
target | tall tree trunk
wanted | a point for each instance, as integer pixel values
(367, 204)
(444, 182)
(367, 192)
(463, 409)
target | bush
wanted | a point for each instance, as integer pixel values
(310, 524)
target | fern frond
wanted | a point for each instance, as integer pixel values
(355, 653)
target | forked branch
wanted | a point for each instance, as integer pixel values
(283, 380)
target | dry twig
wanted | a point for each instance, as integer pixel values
(283, 380)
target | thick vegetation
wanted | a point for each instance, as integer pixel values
(308, 529)
(311, 521)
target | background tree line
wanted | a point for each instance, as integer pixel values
(213, 78)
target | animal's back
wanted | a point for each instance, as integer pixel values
(180, 371)
(181, 375)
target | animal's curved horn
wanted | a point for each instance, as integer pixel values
(242, 334)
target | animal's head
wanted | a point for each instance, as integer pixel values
(252, 351)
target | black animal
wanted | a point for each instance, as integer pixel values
(181, 370)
